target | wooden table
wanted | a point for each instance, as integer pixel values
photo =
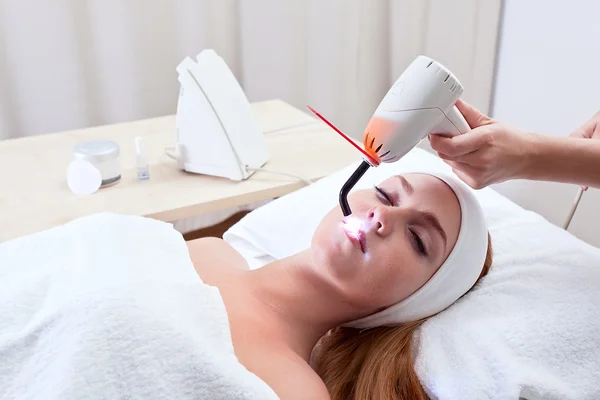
(34, 194)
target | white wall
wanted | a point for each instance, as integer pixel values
(72, 64)
(548, 81)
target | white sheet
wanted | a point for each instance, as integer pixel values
(111, 307)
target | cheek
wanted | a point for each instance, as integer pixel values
(326, 227)
(391, 275)
(326, 243)
(395, 276)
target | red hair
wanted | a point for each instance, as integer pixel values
(374, 364)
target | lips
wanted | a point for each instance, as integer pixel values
(363, 241)
(358, 239)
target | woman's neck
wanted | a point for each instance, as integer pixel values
(299, 305)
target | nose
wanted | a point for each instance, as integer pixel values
(381, 220)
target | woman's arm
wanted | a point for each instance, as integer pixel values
(494, 152)
(564, 159)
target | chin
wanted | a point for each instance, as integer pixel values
(341, 265)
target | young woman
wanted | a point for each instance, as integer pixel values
(381, 283)
(113, 306)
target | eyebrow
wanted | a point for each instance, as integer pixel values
(434, 222)
(408, 188)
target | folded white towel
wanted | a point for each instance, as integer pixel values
(111, 307)
(531, 329)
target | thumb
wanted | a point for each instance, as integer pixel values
(579, 133)
(584, 131)
(473, 116)
(460, 144)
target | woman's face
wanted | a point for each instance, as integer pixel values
(408, 226)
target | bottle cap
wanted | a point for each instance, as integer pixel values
(139, 150)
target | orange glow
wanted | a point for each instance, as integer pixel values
(377, 131)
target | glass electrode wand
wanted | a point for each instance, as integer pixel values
(360, 171)
(420, 102)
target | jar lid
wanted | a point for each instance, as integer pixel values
(96, 150)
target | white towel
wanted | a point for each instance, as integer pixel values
(531, 329)
(110, 307)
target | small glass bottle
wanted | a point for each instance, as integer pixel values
(141, 162)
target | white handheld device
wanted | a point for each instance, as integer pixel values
(421, 102)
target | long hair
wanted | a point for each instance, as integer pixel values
(374, 364)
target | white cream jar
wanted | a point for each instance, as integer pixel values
(104, 155)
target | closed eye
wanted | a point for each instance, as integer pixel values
(416, 240)
(383, 194)
(418, 244)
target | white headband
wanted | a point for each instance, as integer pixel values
(456, 275)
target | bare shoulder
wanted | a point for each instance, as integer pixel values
(297, 381)
(307, 386)
(211, 252)
(317, 388)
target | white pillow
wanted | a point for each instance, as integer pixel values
(531, 328)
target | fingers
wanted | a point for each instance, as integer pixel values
(460, 144)
(471, 176)
(473, 116)
(584, 131)
(475, 159)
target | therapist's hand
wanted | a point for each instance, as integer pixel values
(589, 130)
(491, 152)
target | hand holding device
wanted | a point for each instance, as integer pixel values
(491, 152)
